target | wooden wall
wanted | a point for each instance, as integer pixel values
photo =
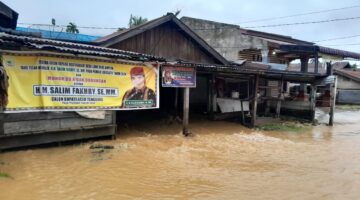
(63, 126)
(167, 41)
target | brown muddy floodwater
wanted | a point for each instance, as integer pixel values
(222, 161)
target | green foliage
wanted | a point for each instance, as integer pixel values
(285, 127)
(348, 107)
(4, 175)
(72, 28)
(136, 20)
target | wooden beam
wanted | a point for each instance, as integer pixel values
(316, 57)
(242, 113)
(210, 94)
(114, 122)
(278, 105)
(313, 103)
(254, 108)
(176, 102)
(214, 105)
(2, 130)
(186, 112)
(333, 102)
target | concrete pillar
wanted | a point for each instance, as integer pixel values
(304, 68)
(265, 55)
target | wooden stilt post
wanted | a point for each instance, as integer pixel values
(313, 103)
(214, 105)
(210, 95)
(278, 105)
(254, 108)
(186, 112)
(242, 113)
(176, 102)
(316, 57)
(2, 131)
(333, 102)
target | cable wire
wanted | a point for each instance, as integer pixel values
(300, 14)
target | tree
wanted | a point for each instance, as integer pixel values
(136, 20)
(72, 28)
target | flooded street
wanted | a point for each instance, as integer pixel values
(223, 160)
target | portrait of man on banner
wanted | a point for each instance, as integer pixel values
(140, 95)
(167, 77)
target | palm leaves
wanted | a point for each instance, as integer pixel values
(136, 20)
(72, 28)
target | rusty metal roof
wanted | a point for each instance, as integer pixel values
(9, 41)
(314, 49)
(349, 73)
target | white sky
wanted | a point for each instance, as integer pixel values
(112, 13)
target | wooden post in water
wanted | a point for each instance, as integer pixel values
(333, 102)
(254, 108)
(176, 102)
(2, 131)
(214, 105)
(210, 95)
(186, 112)
(278, 105)
(242, 112)
(313, 103)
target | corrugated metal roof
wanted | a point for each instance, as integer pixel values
(57, 35)
(349, 73)
(71, 47)
(313, 49)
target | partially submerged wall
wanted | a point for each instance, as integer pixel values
(23, 129)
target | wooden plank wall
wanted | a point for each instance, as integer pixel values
(167, 41)
(40, 122)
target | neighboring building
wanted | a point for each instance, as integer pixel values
(236, 43)
(60, 35)
(8, 17)
(348, 84)
(348, 80)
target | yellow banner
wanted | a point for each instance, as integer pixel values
(51, 83)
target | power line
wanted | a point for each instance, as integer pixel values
(262, 26)
(304, 23)
(338, 38)
(341, 44)
(300, 14)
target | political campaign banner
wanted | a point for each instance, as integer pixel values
(175, 76)
(44, 83)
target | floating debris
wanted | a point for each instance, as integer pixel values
(101, 146)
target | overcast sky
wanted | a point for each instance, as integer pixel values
(115, 13)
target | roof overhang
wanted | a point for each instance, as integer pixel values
(312, 50)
